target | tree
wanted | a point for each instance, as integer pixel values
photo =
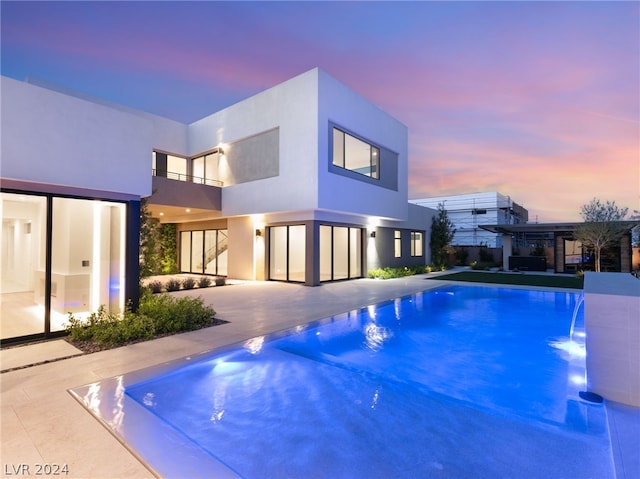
(602, 226)
(158, 248)
(149, 249)
(442, 233)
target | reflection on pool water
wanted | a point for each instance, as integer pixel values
(458, 382)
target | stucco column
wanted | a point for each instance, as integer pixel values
(507, 250)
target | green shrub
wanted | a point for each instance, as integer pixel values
(110, 329)
(220, 281)
(485, 255)
(462, 256)
(188, 283)
(173, 284)
(157, 314)
(155, 286)
(388, 273)
(204, 282)
(482, 265)
(171, 314)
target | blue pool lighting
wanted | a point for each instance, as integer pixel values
(458, 382)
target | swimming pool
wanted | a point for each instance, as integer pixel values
(458, 382)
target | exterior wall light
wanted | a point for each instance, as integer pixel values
(258, 232)
(372, 234)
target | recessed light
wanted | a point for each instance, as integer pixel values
(188, 210)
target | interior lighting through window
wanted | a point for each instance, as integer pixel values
(353, 154)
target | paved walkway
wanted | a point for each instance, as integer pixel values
(43, 425)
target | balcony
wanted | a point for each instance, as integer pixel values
(187, 178)
(178, 197)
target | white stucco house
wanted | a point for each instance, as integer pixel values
(304, 182)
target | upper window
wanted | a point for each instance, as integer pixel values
(353, 154)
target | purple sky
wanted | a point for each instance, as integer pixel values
(537, 100)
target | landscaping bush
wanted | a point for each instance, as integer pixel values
(155, 286)
(388, 273)
(220, 281)
(462, 256)
(204, 282)
(485, 255)
(188, 283)
(173, 284)
(482, 265)
(109, 329)
(158, 314)
(171, 315)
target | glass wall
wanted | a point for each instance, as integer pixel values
(287, 253)
(205, 169)
(326, 253)
(22, 262)
(204, 252)
(85, 269)
(340, 253)
(176, 168)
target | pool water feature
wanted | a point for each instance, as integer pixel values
(458, 382)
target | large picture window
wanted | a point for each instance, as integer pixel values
(353, 154)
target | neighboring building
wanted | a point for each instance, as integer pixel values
(470, 212)
(304, 182)
(568, 255)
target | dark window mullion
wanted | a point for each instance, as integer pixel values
(348, 253)
(47, 267)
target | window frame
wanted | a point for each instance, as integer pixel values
(341, 148)
(397, 243)
(417, 244)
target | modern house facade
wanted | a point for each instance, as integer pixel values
(469, 212)
(304, 182)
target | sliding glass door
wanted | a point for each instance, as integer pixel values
(58, 256)
(204, 252)
(340, 253)
(287, 253)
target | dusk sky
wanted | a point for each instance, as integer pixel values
(536, 100)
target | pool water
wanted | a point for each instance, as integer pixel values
(458, 382)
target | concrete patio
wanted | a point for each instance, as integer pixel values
(43, 424)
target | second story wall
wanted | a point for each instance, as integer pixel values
(54, 138)
(380, 190)
(272, 137)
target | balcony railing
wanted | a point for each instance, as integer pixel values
(188, 178)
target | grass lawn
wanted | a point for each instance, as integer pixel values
(551, 281)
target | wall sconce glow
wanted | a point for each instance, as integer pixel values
(188, 210)
(258, 221)
(373, 222)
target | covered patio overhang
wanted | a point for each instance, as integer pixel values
(558, 230)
